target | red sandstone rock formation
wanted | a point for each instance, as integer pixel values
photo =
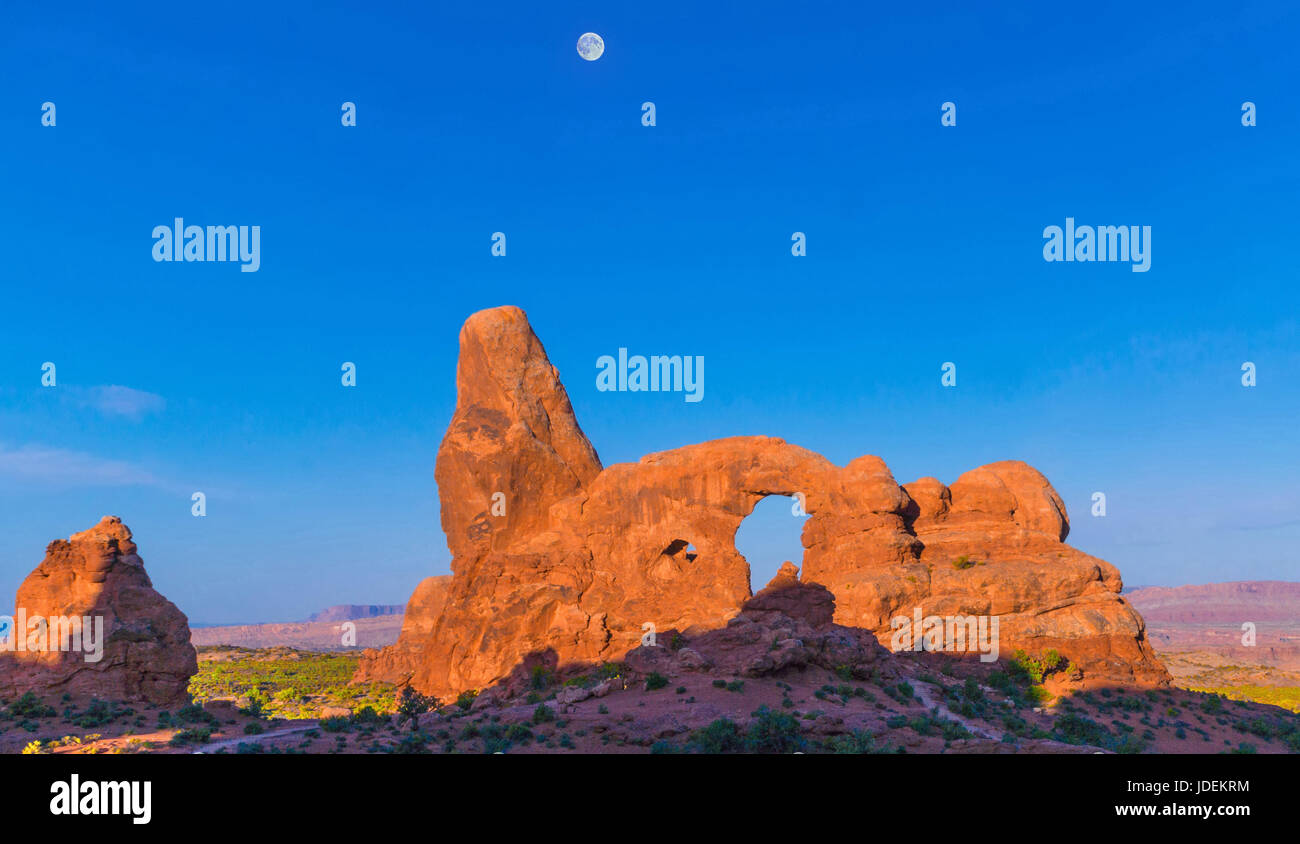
(582, 559)
(398, 663)
(146, 650)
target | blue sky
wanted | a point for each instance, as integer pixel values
(924, 246)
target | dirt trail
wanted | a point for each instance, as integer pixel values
(213, 747)
(945, 712)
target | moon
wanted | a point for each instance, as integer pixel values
(591, 46)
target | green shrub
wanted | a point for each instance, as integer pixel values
(773, 732)
(29, 706)
(722, 736)
(193, 735)
(541, 678)
(857, 741)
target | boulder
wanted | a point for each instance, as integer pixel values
(96, 578)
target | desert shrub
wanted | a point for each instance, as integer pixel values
(655, 681)
(541, 678)
(543, 713)
(193, 735)
(1076, 729)
(857, 741)
(610, 670)
(195, 714)
(466, 699)
(1134, 704)
(416, 741)
(96, 714)
(1024, 666)
(722, 736)
(366, 715)
(29, 706)
(773, 732)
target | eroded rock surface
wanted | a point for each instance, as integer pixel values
(556, 558)
(397, 663)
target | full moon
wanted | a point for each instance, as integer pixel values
(591, 46)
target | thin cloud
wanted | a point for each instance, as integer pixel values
(116, 400)
(61, 467)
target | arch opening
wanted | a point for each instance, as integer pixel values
(769, 536)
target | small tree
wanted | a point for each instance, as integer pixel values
(412, 705)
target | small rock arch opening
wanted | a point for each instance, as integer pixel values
(769, 536)
(674, 559)
(681, 549)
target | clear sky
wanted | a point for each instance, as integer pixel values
(924, 245)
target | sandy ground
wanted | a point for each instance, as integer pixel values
(635, 720)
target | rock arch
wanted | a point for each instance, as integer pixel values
(576, 566)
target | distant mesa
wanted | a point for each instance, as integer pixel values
(1220, 603)
(144, 652)
(352, 612)
(588, 554)
(1220, 634)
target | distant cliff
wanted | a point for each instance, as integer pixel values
(351, 612)
(1219, 603)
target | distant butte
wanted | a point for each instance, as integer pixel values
(586, 555)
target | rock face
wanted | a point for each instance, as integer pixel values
(145, 651)
(555, 558)
(397, 663)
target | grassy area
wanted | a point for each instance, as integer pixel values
(1287, 697)
(286, 682)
